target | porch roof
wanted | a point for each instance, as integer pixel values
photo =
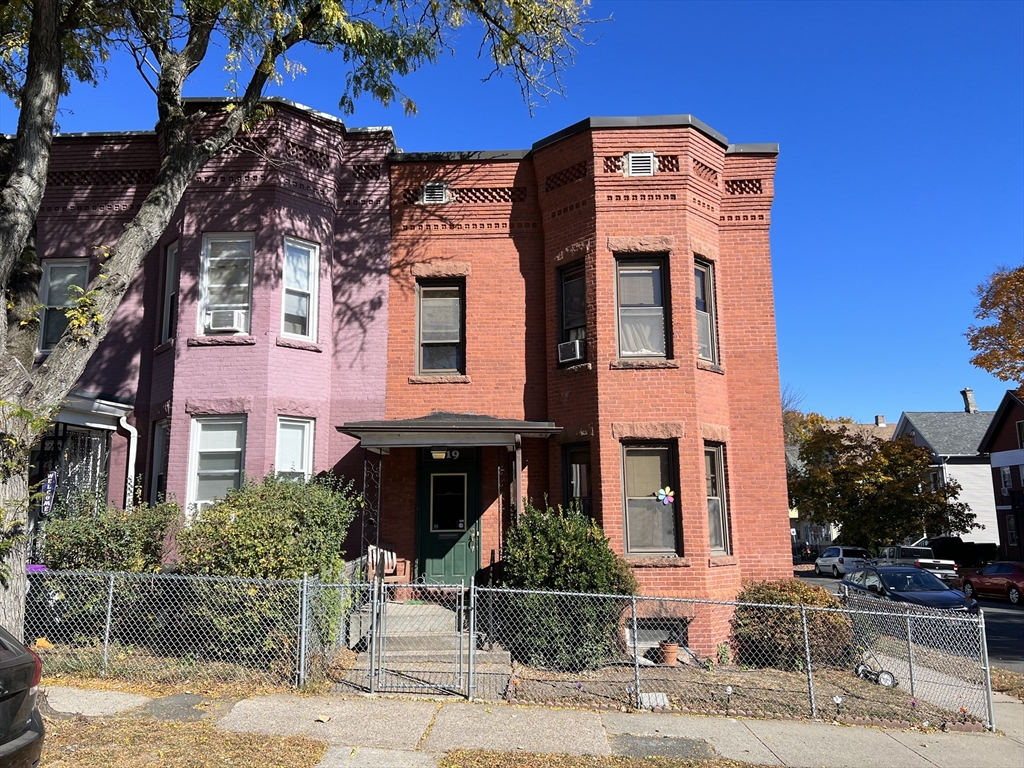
(446, 429)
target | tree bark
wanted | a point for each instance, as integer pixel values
(14, 504)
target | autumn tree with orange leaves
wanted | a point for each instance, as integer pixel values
(999, 345)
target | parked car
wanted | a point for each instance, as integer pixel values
(903, 584)
(21, 725)
(997, 580)
(919, 557)
(841, 560)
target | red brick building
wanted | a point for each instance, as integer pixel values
(593, 320)
(589, 320)
(1004, 442)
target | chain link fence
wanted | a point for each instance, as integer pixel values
(868, 661)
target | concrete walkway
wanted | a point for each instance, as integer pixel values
(365, 732)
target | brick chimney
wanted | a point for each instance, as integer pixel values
(880, 420)
(969, 405)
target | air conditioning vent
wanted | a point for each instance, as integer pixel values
(226, 320)
(435, 192)
(640, 164)
(571, 351)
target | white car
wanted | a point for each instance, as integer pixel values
(841, 560)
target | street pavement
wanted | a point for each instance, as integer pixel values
(377, 732)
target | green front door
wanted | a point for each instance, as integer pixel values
(448, 516)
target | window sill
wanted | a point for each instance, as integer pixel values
(626, 365)
(576, 367)
(716, 561)
(163, 347)
(309, 346)
(221, 341)
(447, 379)
(655, 561)
(705, 365)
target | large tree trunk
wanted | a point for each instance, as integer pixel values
(14, 504)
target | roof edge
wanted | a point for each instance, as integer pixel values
(647, 121)
(752, 149)
(1004, 406)
(463, 156)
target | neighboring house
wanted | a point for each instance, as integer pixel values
(590, 319)
(953, 438)
(1004, 443)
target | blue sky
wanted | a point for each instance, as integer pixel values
(900, 183)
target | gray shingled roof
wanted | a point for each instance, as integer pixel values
(951, 433)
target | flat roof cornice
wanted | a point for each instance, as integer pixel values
(648, 121)
(459, 157)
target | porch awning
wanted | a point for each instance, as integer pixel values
(446, 429)
(86, 409)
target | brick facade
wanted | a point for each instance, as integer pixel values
(510, 223)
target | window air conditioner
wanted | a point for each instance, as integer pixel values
(571, 351)
(641, 163)
(226, 320)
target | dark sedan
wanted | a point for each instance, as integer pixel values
(21, 726)
(904, 584)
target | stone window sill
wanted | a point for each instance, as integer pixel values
(577, 367)
(221, 341)
(669, 561)
(641, 365)
(704, 365)
(163, 347)
(716, 561)
(453, 379)
(298, 344)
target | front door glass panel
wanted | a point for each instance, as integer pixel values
(447, 502)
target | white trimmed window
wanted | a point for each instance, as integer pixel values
(299, 308)
(225, 288)
(704, 288)
(158, 474)
(718, 513)
(649, 499)
(643, 327)
(294, 448)
(169, 310)
(442, 328)
(56, 293)
(218, 459)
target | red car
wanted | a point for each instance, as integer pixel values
(997, 580)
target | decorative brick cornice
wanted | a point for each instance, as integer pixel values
(648, 430)
(216, 406)
(442, 269)
(716, 433)
(642, 244)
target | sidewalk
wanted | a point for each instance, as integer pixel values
(366, 732)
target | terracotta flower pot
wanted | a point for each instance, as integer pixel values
(669, 653)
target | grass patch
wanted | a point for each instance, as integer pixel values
(156, 689)
(134, 742)
(472, 758)
(1007, 681)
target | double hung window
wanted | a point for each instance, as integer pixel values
(218, 458)
(225, 297)
(707, 347)
(649, 499)
(718, 514)
(643, 326)
(301, 269)
(294, 448)
(442, 328)
(169, 311)
(573, 303)
(576, 461)
(57, 293)
(161, 444)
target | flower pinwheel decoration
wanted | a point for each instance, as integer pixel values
(666, 495)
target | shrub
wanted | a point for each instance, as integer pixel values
(84, 535)
(275, 529)
(774, 637)
(565, 551)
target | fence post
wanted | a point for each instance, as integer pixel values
(373, 634)
(988, 672)
(106, 629)
(471, 683)
(303, 629)
(807, 654)
(910, 650)
(636, 657)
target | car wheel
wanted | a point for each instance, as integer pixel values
(1014, 595)
(886, 679)
(968, 589)
(835, 572)
(817, 570)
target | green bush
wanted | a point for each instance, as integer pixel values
(85, 535)
(561, 550)
(275, 529)
(774, 637)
